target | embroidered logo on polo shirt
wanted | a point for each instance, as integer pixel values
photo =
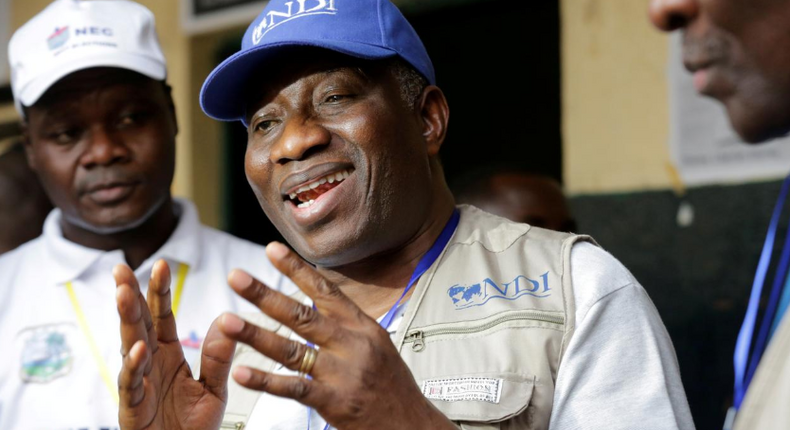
(478, 294)
(193, 341)
(463, 389)
(191, 348)
(46, 354)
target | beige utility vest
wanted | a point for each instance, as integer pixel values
(485, 329)
(767, 402)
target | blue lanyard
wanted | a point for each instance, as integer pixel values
(743, 375)
(765, 328)
(784, 303)
(424, 264)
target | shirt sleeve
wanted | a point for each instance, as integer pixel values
(620, 370)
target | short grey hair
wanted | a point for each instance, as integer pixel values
(411, 82)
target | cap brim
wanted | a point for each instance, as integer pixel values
(136, 63)
(224, 93)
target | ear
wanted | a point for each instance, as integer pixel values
(435, 115)
(171, 105)
(31, 160)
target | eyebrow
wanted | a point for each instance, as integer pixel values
(49, 112)
(356, 69)
(332, 70)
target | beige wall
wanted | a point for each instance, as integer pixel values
(615, 101)
(207, 134)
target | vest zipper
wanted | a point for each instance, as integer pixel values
(417, 337)
(232, 425)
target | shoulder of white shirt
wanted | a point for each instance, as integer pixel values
(596, 274)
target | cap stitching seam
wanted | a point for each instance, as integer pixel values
(381, 25)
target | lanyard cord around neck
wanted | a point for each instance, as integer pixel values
(744, 366)
(424, 264)
(183, 269)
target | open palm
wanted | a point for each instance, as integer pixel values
(156, 387)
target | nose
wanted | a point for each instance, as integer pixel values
(670, 15)
(104, 149)
(300, 137)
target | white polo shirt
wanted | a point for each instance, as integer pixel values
(50, 377)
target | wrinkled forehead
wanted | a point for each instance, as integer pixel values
(306, 64)
(73, 88)
(92, 79)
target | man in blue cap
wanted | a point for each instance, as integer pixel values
(414, 313)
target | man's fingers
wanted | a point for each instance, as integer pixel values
(160, 303)
(130, 308)
(215, 361)
(308, 392)
(123, 274)
(326, 295)
(304, 320)
(131, 389)
(288, 352)
(150, 332)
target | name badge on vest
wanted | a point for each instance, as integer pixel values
(463, 389)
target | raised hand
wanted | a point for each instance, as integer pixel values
(358, 379)
(156, 387)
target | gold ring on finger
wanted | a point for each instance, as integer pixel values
(308, 361)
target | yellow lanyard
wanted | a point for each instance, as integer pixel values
(183, 269)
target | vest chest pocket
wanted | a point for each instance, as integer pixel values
(481, 401)
(493, 373)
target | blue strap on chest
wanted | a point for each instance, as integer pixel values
(744, 366)
(423, 265)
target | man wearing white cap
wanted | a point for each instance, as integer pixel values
(100, 128)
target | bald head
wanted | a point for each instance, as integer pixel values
(522, 197)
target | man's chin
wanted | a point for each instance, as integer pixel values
(106, 228)
(756, 123)
(756, 133)
(327, 253)
(114, 223)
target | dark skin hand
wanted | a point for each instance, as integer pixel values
(156, 387)
(358, 381)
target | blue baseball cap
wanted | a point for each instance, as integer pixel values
(367, 29)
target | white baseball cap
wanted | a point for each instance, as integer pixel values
(72, 35)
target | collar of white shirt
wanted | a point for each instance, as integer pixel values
(69, 260)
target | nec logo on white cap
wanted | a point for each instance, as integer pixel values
(73, 35)
(61, 35)
(304, 8)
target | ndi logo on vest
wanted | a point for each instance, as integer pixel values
(482, 292)
(305, 8)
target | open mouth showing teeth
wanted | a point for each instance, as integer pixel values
(305, 196)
